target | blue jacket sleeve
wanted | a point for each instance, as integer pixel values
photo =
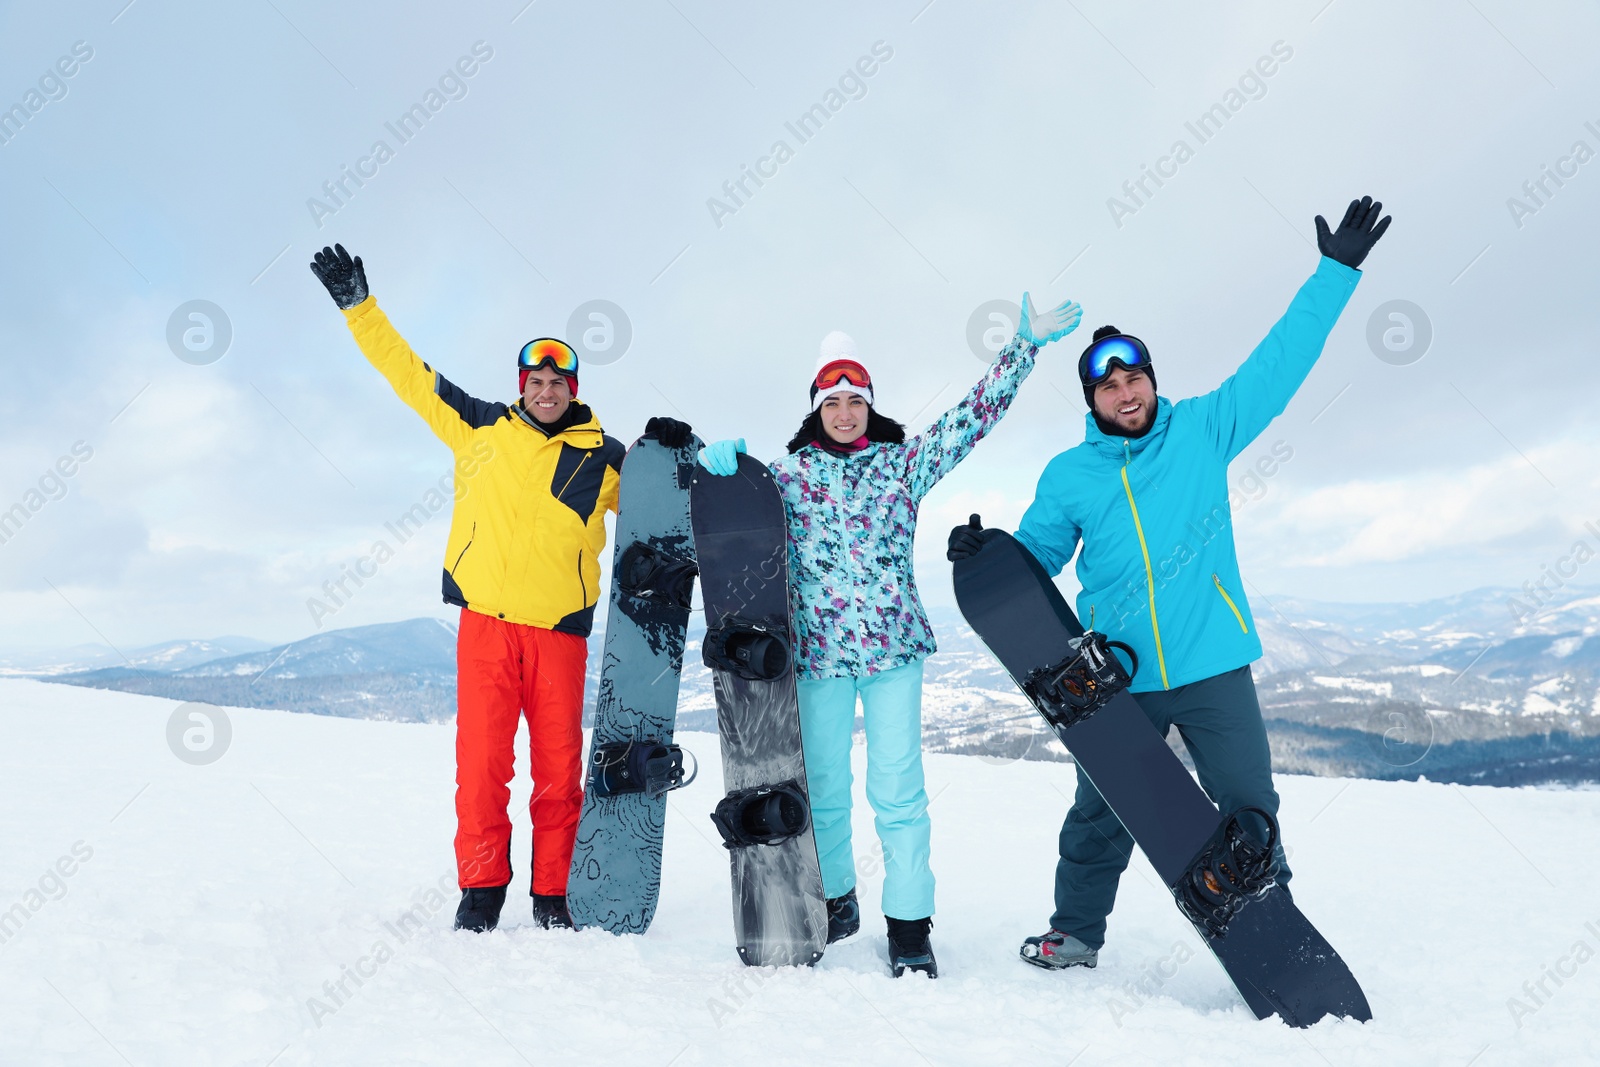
(1238, 410)
(1047, 530)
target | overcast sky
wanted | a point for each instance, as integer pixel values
(580, 160)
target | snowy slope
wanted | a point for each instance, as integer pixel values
(208, 905)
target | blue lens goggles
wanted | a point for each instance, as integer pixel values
(1119, 350)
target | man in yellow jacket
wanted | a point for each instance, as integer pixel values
(534, 480)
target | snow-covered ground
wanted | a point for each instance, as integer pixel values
(173, 913)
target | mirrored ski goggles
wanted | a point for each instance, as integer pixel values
(842, 370)
(1119, 350)
(547, 350)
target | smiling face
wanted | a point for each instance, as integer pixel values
(546, 394)
(1126, 400)
(844, 417)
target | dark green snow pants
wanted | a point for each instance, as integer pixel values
(1219, 720)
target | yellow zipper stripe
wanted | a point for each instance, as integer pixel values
(574, 473)
(1231, 605)
(1150, 577)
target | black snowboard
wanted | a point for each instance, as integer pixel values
(741, 542)
(615, 879)
(1277, 960)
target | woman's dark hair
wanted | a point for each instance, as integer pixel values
(881, 429)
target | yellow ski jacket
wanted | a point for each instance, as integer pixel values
(529, 520)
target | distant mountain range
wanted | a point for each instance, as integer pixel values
(1454, 689)
(403, 670)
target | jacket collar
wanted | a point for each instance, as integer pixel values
(581, 427)
(1113, 447)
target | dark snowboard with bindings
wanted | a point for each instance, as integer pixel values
(615, 879)
(742, 544)
(1220, 874)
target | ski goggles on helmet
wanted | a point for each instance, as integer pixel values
(1118, 350)
(842, 370)
(548, 351)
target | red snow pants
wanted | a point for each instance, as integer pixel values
(505, 670)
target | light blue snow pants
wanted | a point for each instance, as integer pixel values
(891, 705)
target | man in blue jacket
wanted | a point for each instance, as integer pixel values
(1146, 495)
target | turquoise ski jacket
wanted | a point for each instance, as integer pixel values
(1158, 566)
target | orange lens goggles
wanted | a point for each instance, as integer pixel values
(839, 370)
(548, 350)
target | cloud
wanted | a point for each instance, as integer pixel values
(1421, 513)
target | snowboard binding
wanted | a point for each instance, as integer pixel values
(648, 767)
(1073, 689)
(1230, 871)
(752, 651)
(648, 574)
(764, 815)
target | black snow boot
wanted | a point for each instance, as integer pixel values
(844, 917)
(909, 948)
(480, 908)
(550, 912)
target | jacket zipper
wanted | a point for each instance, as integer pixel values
(844, 543)
(1149, 573)
(1231, 605)
(574, 473)
(581, 583)
(464, 548)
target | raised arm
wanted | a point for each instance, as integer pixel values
(934, 452)
(1240, 408)
(447, 409)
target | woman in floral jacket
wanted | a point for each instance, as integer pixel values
(852, 482)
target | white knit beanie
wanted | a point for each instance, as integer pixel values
(837, 346)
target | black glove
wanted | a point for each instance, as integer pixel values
(1357, 232)
(670, 432)
(345, 279)
(965, 541)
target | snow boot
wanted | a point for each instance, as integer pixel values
(909, 948)
(479, 910)
(550, 911)
(1057, 951)
(844, 917)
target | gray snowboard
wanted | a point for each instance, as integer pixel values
(615, 878)
(742, 544)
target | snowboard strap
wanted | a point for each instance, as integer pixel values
(648, 767)
(644, 572)
(1232, 869)
(764, 815)
(1071, 690)
(752, 651)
